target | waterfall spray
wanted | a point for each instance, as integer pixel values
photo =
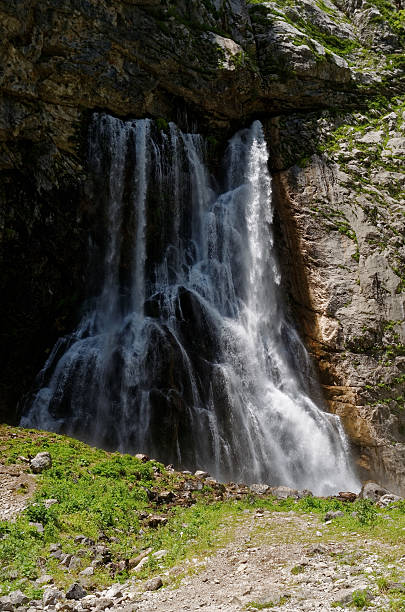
(187, 353)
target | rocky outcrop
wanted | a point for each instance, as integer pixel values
(342, 211)
(310, 71)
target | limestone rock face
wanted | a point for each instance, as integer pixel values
(342, 216)
(310, 71)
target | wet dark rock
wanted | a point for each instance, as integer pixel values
(47, 99)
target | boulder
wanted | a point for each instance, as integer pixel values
(41, 461)
(142, 457)
(329, 516)
(154, 584)
(372, 491)
(372, 137)
(283, 492)
(17, 598)
(259, 489)
(159, 554)
(52, 596)
(388, 499)
(45, 579)
(114, 591)
(156, 520)
(75, 591)
(5, 604)
(347, 496)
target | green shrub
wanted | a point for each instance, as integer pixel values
(360, 599)
(366, 511)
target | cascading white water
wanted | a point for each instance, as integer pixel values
(186, 354)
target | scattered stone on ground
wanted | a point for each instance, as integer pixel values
(76, 591)
(273, 559)
(16, 489)
(281, 559)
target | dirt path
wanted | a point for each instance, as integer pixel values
(276, 560)
(16, 489)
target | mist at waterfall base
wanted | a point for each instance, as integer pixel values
(186, 354)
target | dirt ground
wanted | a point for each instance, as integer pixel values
(283, 561)
(16, 488)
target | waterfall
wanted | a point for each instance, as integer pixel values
(186, 353)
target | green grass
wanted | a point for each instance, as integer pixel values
(100, 495)
(360, 599)
(103, 496)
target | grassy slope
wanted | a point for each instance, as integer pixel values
(104, 497)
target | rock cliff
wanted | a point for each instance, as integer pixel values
(326, 78)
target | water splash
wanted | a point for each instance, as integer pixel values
(186, 354)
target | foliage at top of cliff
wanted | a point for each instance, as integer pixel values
(364, 46)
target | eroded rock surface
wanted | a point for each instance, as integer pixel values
(342, 214)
